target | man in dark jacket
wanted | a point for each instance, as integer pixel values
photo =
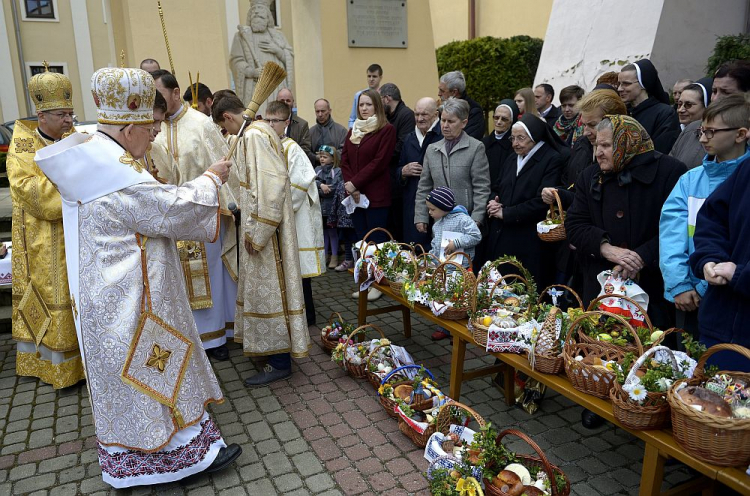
(543, 96)
(402, 118)
(642, 91)
(453, 84)
(325, 131)
(722, 258)
(426, 132)
(298, 128)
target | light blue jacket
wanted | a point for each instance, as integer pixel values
(457, 221)
(677, 223)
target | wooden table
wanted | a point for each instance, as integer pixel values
(660, 445)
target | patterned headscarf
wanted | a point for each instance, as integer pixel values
(628, 140)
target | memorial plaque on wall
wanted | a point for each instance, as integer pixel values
(377, 23)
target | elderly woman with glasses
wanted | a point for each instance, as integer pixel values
(692, 103)
(614, 219)
(516, 204)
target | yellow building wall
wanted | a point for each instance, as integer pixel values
(498, 18)
(413, 70)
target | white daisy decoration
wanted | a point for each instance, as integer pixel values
(638, 393)
(664, 383)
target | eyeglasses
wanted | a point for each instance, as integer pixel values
(63, 115)
(687, 105)
(152, 129)
(625, 84)
(519, 139)
(273, 121)
(709, 133)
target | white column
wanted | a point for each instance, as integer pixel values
(107, 10)
(82, 37)
(8, 96)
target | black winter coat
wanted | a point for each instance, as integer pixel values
(581, 156)
(412, 152)
(523, 207)
(660, 121)
(628, 217)
(497, 151)
(403, 120)
(477, 125)
(552, 116)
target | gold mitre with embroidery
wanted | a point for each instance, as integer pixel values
(123, 95)
(51, 90)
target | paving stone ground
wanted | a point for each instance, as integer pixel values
(319, 432)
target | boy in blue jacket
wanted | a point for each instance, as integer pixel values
(723, 134)
(449, 217)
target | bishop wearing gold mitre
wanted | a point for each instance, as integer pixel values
(42, 314)
(210, 269)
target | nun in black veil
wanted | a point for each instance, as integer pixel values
(648, 103)
(516, 204)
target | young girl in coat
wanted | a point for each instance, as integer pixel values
(328, 178)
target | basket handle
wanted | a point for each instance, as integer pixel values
(717, 348)
(443, 420)
(535, 447)
(496, 285)
(567, 288)
(559, 206)
(592, 306)
(406, 367)
(642, 359)
(453, 255)
(403, 247)
(574, 325)
(335, 314)
(374, 229)
(361, 329)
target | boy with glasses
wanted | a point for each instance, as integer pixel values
(723, 134)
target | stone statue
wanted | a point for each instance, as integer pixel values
(254, 45)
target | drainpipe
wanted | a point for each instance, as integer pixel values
(472, 19)
(21, 60)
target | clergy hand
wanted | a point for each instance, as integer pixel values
(421, 227)
(548, 196)
(249, 248)
(221, 169)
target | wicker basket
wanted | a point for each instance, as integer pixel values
(388, 404)
(556, 233)
(449, 460)
(717, 440)
(545, 361)
(477, 328)
(373, 378)
(442, 423)
(529, 461)
(360, 253)
(358, 371)
(654, 412)
(330, 344)
(587, 378)
(405, 248)
(628, 348)
(439, 279)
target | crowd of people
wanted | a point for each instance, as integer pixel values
(183, 223)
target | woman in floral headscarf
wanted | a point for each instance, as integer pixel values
(614, 219)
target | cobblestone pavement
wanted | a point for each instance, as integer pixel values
(319, 432)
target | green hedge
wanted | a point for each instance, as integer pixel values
(494, 67)
(728, 48)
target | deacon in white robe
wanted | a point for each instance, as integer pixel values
(210, 269)
(148, 376)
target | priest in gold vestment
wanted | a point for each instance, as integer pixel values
(210, 269)
(42, 315)
(270, 317)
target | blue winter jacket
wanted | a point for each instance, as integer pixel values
(457, 221)
(677, 223)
